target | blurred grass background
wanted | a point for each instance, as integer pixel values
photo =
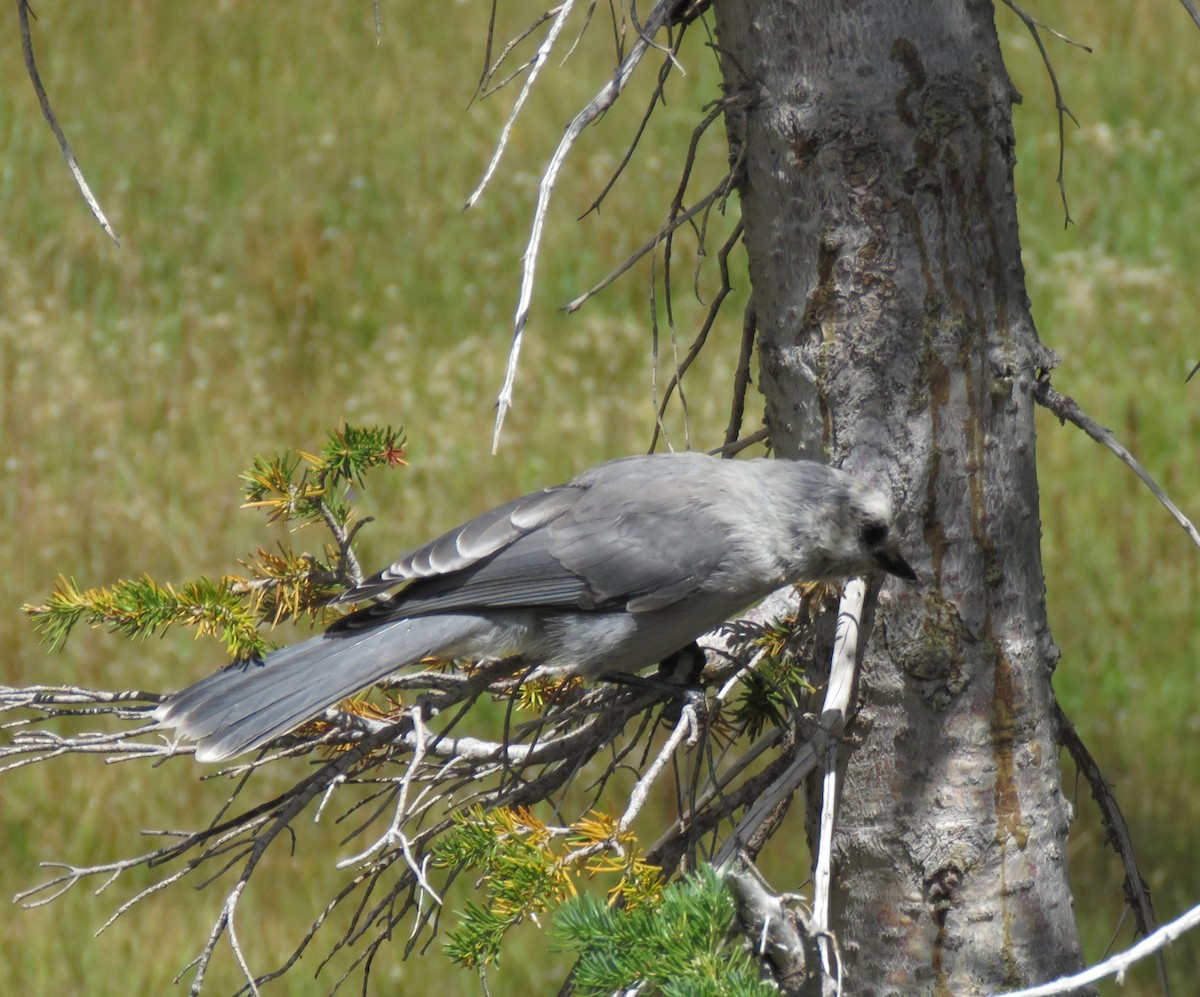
(288, 194)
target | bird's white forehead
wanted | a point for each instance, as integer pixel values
(876, 504)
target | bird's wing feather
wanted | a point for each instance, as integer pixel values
(637, 540)
(466, 545)
(641, 560)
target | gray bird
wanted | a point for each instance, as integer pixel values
(613, 571)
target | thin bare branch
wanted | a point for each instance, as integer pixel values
(1118, 964)
(587, 20)
(48, 113)
(1190, 7)
(603, 100)
(1068, 410)
(648, 246)
(741, 376)
(1059, 104)
(716, 110)
(485, 88)
(693, 352)
(539, 60)
(656, 98)
(1137, 892)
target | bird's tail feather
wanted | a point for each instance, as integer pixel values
(249, 703)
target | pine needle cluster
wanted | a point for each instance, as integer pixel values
(529, 868)
(299, 488)
(777, 686)
(680, 944)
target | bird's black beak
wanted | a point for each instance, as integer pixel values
(889, 559)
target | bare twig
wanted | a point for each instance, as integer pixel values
(716, 110)
(685, 730)
(603, 100)
(656, 98)
(484, 88)
(1068, 410)
(539, 60)
(1118, 964)
(741, 375)
(1190, 7)
(737, 446)
(48, 113)
(1060, 105)
(839, 703)
(649, 245)
(1137, 893)
(693, 352)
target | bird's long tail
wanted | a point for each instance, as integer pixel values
(248, 703)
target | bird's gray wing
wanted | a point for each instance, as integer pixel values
(624, 541)
(641, 560)
(474, 541)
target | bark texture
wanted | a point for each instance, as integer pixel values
(896, 340)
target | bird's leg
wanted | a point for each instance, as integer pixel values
(678, 675)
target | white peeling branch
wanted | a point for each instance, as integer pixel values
(836, 709)
(1118, 964)
(1068, 410)
(48, 113)
(843, 675)
(685, 730)
(539, 60)
(603, 100)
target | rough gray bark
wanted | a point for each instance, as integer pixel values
(896, 339)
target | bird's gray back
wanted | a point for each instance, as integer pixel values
(638, 533)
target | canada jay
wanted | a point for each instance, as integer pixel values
(611, 572)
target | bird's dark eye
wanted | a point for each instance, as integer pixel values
(874, 534)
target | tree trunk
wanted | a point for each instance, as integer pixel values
(896, 340)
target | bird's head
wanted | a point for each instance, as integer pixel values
(853, 531)
(870, 522)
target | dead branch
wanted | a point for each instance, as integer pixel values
(693, 352)
(649, 245)
(35, 78)
(659, 15)
(394, 780)
(1118, 964)
(741, 375)
(1060, 105)
(1135, 888)
(1068, 410)
(560, 15)
(656, 97)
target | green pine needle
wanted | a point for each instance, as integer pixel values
(353, 450)
(141, 607)
(680, 946)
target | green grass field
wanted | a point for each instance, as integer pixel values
(288, 195)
